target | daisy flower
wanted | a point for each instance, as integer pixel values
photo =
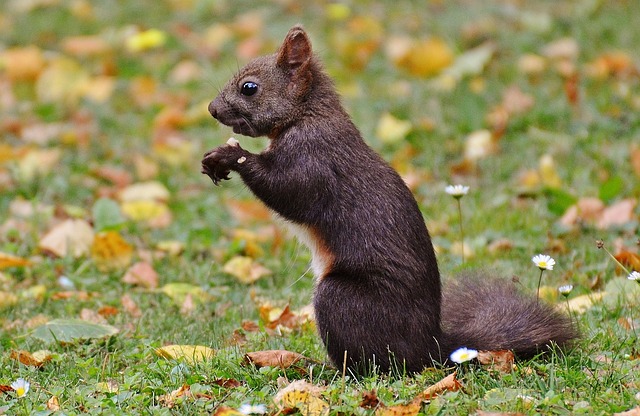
(565, 290)
(463, 354)
(20, 386)
(543, 262)
(457, 191)
(253, 409)
(634, 276)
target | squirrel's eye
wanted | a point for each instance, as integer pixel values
(249, 88)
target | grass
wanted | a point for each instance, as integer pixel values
(590, 145)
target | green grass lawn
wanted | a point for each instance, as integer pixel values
(89, 106)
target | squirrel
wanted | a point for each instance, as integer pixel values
(378, 298)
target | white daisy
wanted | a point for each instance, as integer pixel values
(543, 262)
(20, 386)
(463, 354)
(457, 191)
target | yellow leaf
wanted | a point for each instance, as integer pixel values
(62, 82)
(38, 162)
(391, 129)
(479, 144)
(99, 88)
(8, 260)
(110, 386)
(178, 292)
(7, 299)
(548, 172)
(227, 411)
(337, 11)
(428, 57)
(148, 39)
(303, 396)
(20, 64)
(580, 304)
(110, 251)
(151, 190)
(71, 237)
(245, 269)
(192, 354)
(173, 148)
(153, 212)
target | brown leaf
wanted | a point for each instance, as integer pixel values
(501, 361)
(71, 237)
(274, 358)
(633, 412)
(303, 396)
(53, 404)
(130, 306)
(629, 259)
(618, 213)
(169, 399)
(245, 211)
(92, 316)
(37, 359)
(116, 175)
(370, 400)
(108, 311)
(141, 274)
(410, 409)
(227, 383)
(586, 209)
(449, 383)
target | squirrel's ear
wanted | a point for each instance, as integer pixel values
(295, 51)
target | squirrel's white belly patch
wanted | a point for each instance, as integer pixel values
(321, 257)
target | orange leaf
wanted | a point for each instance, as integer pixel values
(449, 383)
(629, 259)
(501, 361)
(110, 251)
(410, 409)
(274, 358)
(8, 260)
(37, 359)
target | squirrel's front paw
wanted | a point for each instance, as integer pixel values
(219, 162)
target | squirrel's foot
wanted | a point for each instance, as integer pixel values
(219, 162)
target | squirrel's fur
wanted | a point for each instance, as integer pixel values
(378, 293)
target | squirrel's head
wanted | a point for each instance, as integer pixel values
(268, 94)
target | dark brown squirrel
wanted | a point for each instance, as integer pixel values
(378, 292)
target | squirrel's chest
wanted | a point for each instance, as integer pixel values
(321, 257)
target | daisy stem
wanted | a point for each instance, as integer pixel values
(539, 282)
(615, 259)
(461, 230)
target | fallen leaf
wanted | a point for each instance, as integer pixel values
(71, 237)
(108, 311)
(169, 399)
(629, 259)
(370, 400)
(147, 191)
(53, 404)
(303, 396)
(155, 213)
(427, 57)
(70, 330)
(247, 210)
(449, 383)
(87, 45)
(141, 274)
(274, 358)
(227, 383)
(9, 260)
(617, 214)
(22, 63)
(245, 269)
(391, 129)
(501, 361)
(586, 209)
(178, 292)
(146, 40)
(7, 299)
(191, 354)
(130, 306)
(92, 316)
(564, 48)
(110, 251)
(478, 145)
(549, 172)
(410, 409)
(227, 411)
(581, 304)
(633, 412)
(38, 162)
(37, 359)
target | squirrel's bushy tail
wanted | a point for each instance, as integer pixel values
(485, 313)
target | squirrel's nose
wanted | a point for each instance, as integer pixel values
(212, 109)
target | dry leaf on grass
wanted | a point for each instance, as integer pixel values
(141, 274)
(618, 213)
(245, 269)
(501, 361)
(275, 358)
(71, 237)
(110, 251)
(629, 259)
(130, 306)
(36, 359)
(633, 412)
(410, 409)
(53, 404)
(192, 354)
(9, 260)
(449, 383)
(227, 411)
(303, 397)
